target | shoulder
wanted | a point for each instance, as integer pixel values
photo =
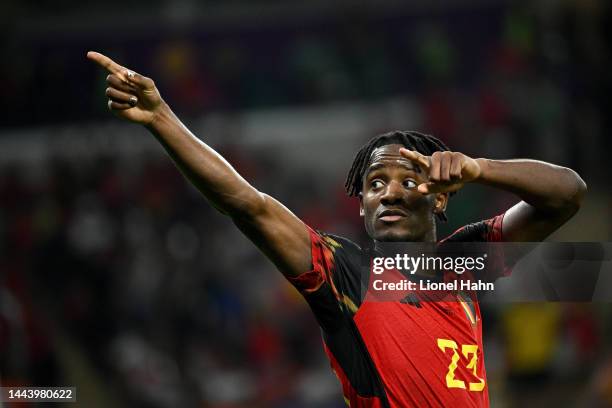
(337, 251)
(337, 242)
(338, 262)
(489, 230)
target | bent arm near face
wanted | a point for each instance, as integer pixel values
(550, 195)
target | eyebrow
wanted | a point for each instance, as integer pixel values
(379, 165)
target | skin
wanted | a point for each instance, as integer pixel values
(392, 207)
(549, 194)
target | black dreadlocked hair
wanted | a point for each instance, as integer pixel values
(424, 144)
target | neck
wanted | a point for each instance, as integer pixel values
(430, 236)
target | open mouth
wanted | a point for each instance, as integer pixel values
(391, 215)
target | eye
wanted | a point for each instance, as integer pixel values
(376, 184)
(410, 184)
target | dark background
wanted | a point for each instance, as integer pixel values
(115, 275)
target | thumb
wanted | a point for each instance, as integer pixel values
(137, 80)
(425, 188)
(433, 187)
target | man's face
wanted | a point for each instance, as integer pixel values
(392, 208)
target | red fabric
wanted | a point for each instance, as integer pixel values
(412, 347)
(495, 235)
(312, 280)
(402, 341)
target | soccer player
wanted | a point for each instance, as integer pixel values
(385, 354)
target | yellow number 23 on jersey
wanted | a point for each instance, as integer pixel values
(467, 350)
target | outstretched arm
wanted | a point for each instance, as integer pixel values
(550, 194)
(282, 236)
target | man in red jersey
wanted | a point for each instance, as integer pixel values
(386, 354)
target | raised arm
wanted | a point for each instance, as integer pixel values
(282, 236)
(550, 194)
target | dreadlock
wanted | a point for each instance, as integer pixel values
(424, 144)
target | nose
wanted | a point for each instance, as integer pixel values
(393, 193)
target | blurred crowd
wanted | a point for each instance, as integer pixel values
(162, 292)
(536, 69)
(118, 259)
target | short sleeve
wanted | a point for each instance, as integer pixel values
(489, 230)
(322, 255)
(332, 285)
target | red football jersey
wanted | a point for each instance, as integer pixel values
(396, 354)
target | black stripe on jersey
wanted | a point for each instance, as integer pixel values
(344, 341)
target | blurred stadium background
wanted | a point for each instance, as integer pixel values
(116, 276)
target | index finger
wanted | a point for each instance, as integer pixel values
(416, 157)
(106, 62)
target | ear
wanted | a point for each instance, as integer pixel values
(361, 211)
(440, 201)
